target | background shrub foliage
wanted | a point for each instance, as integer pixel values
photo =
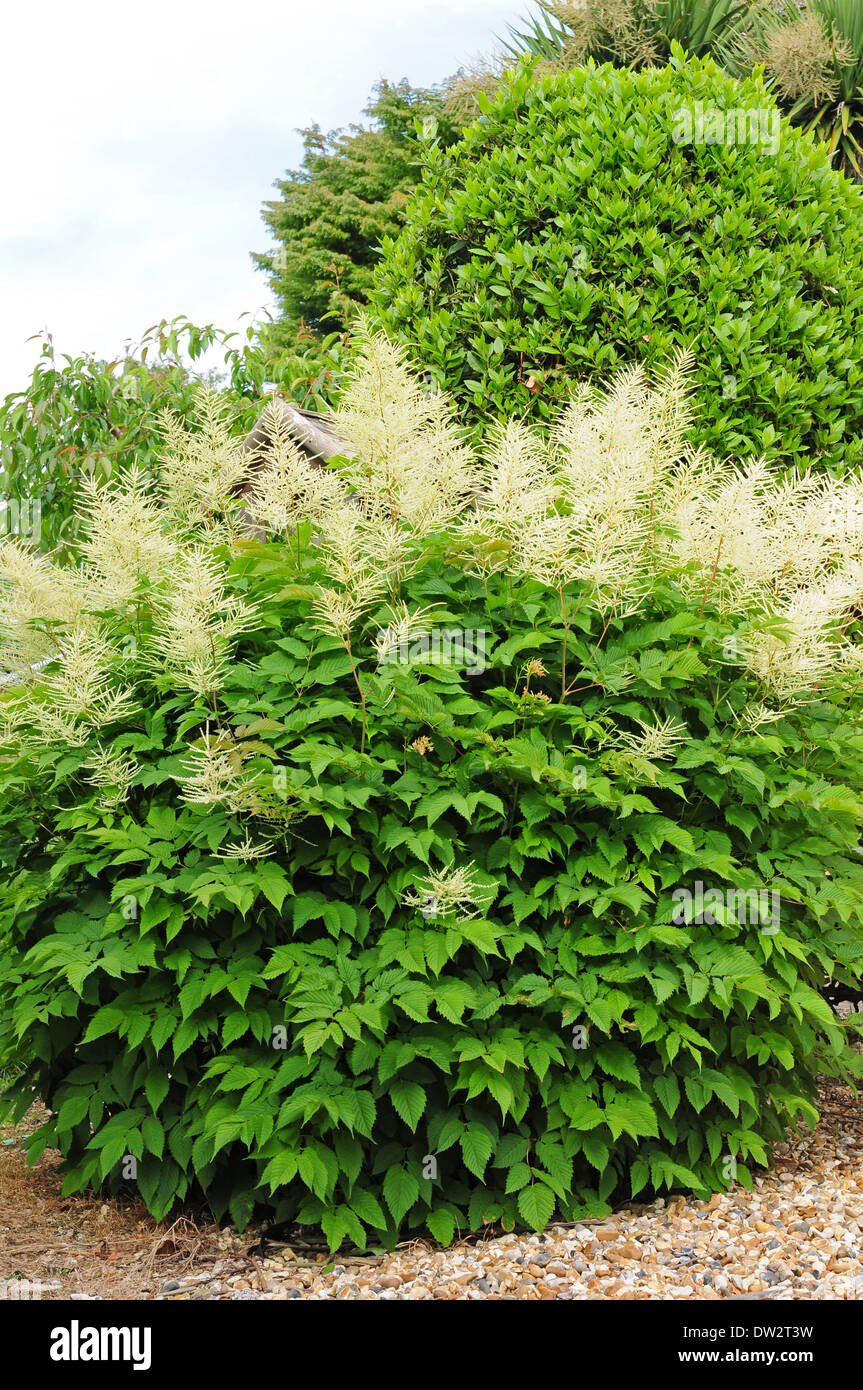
(289, 907)
(568, 233)
(83, 417)
(332, 213)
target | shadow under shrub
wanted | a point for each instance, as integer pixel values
(316, 912)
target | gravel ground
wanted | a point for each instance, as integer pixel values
(797, 1235)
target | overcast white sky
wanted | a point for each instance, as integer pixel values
(139, 142)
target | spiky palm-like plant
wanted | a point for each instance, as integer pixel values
(630, 32)
(813, 51)
(540, 34)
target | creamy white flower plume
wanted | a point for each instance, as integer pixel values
(197, 622)
(404, 628)
(410, 462)
(287, 489)
(203, 469)
(656, 741)
(113, 773)
(39, 601)
(246, 850)
(516, 480)
(452, 892)
(84, 692)
(335, 612)
(125, 539)
(803, 644)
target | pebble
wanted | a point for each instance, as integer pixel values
(794, 1235)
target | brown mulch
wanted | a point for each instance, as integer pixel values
(84, 1246)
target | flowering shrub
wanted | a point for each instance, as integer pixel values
(359, 877)
(602, 217)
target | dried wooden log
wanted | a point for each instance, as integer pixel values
(312, 432)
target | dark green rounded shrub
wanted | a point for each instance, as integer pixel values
(577, 227)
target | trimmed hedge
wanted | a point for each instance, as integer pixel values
(569, 233)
